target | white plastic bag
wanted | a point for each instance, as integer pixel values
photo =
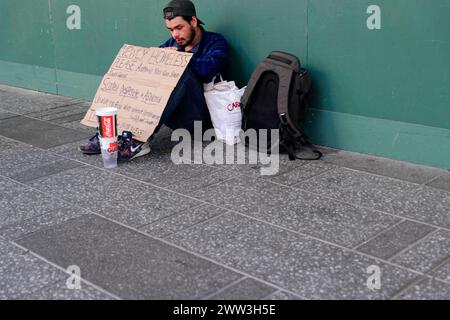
(224, 105)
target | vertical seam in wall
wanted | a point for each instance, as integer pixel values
(307, 32)
(52, 32)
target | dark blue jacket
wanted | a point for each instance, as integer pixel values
(210, 55)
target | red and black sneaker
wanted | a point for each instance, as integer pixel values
(130, 149)
(92, 146)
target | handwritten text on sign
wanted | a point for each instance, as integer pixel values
(139, 84)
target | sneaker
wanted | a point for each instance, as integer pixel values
(92, 146)
(131, 149)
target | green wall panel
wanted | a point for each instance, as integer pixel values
(255, 28)
(25, 32)
(105, 26)
(400, 72)
(383, 92)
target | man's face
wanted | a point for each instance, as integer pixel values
(182, 31)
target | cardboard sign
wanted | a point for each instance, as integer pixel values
(139, 84)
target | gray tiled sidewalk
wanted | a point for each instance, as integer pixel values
(151, 229)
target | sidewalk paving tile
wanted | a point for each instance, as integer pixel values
(383, 167)
(282, 295)
(358, 188)
(22, 273)
(161, 171)
(426, 204)
(38, 133)
(290, 172)
(59, 291)
(442, 182)
(25, 227)
(181, 221)
(116, 197)
(297, 210)
(18, 203)
(60, 112)
(427, 289)
(396, 239)
(70, 150)
(18, 159)
(247, 289)
(126, 263)
(296, 263)
(6, 115)
(22, 101)
(46, 169)
(204, 180)
(428, 254)
(443, 271)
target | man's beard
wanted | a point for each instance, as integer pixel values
(190, 39)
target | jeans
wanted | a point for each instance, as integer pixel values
(186, 105)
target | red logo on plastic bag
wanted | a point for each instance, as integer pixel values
(234, 105)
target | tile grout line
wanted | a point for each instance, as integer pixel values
(208, 185)
(53, 124)
(228, 286)
(80, 101)
(425, 184)
(428, 276)
(158, 239)
(239, 271)
(51, 174)
(271, 182)
(378, 234)
(269, 295)
(251, 218)
(65, 271)
(417, 281)
(437, 267)
(385, 176)
(320, 240)
(196, 225)
(47, 286)
(198, 255)
(11, 225)
(337, 246)
(412, 245)
(359, 206)
(172, 215)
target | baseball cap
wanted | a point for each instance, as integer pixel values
(177, 8)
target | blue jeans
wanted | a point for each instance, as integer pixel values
(186, 105)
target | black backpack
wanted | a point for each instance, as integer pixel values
(276, 97)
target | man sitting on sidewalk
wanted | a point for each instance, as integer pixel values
(187, 103)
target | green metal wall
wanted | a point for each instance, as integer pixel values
(384, 92)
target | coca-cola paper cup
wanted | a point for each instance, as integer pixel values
(107, 129)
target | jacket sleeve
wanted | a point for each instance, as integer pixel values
(213, 61)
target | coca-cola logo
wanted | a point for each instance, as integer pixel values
(107, 126)
(113, 147)
(234, 105)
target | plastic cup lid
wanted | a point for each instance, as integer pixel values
(106, 112)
